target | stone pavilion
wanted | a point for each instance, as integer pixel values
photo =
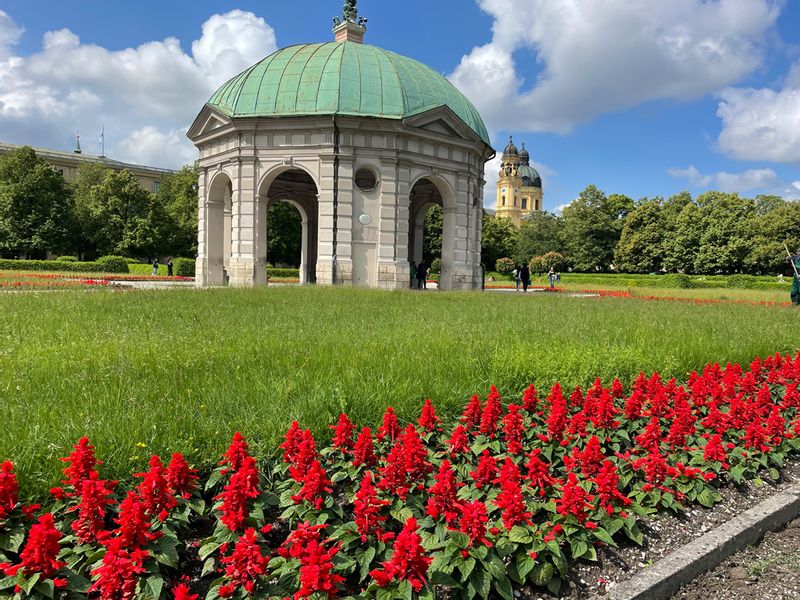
(362, 141)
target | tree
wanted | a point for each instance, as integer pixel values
(724, 235)
(177, 194)
(89, 175)
(499, 238)
(284, 234)
(35, 206)
(771, 229)
(539, 234)
(591, 229)
(680, 248)
(128, 220)
(432, 244)
(640, 247)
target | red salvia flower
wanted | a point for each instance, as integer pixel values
(116, 578)
(367, 509)
(236, 454)
(291, 442)
(316, 571)
(608, 493)
(634, 405)
(591, 457)
(315, 482)
(655, 467)
(513, 430)
(755, 436)
(471, 418)
(415, 453)
(394, 476)
(616, 389)
(242, 487)
(557, 420)
(409, 561)
(9, 489)
(714, 451)
(246, 564)
(306, 451)
(95, 496)
(510, 498)
(343, 433)
(390, 429)
(791, 398)
(776, 426)
(651, 437)
(134, 524)
(181, 478)
(529, 399)
(603, 411)
(442, 495)
(574, 499)
(472, 521)
(486, 472)
(40, 553)
(182, 591)
(295, 544)
(155, 492)
(491, 413)
(539, 472)
(428, 421)
(81, 464)
(364, 453)
(458, 442)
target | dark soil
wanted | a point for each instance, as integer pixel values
(768, 571)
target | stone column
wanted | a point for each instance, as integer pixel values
(260, 249)
(201, 263)
(461, 276)
(393, 268)
(242, 264)
(344, 223)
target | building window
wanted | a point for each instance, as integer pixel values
(524, 203)
(515, 201)
(156, 186)
(365, 179)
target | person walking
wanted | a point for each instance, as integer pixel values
(413, 275)
(551, 277)
(155, 267)
(517, 279)
(169, 267)
(421, 275)
(794, 293)
(525, 277)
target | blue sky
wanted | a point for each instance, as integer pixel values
(641, 97)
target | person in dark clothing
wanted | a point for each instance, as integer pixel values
(155, 267)
(525, 277)
(169, 267)
(421, 272)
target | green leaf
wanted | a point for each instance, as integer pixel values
(208, 549)
(579, 548)
(706, 498)
(495, 566)
(467, 567)
(214, 479)
(460, 539)
(634, 534)
(520, 535)
(554, 586)
(208, 567)
(524, 565)
(198, 505)
(503, 587)
(403, 514)
(541, 574)
(364, 559)
(155, 585)
(167, 552)
(28, 585)
(603, 535)
(384, 594)
(45, 588)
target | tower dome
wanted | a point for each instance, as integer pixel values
(342, 78)
(524, 156)
(510, 149)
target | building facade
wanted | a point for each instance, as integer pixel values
(67, 163)
(362, 142)
(519, 186)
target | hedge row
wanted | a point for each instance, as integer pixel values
(104, 264)
(288, 273)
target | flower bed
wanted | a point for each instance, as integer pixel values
(504, 498)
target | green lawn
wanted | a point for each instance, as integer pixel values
(181, 370)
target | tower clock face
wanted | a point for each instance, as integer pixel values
(503, 190)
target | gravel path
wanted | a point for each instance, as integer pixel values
(768, 571)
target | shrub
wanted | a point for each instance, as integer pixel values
(183, 267)
(538, 264)
(67, 259)
(436, 266)
(114, 264)
(50, 265)
(287, 273)
(555, 260)
(504, 266)
(678, 280)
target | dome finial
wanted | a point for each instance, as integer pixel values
(349, 27)
(511, 149)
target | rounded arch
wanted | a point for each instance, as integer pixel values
(269, 177)
(218, 227)
(442, 186)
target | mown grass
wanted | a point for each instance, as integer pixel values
(182, 370)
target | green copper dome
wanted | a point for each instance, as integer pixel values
(342, 78)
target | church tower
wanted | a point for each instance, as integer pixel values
(519, 187)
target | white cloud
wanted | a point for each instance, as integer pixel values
(598, 57)
(145, 96)
(763, 181)
(762, 124)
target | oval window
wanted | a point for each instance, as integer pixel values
(365, 180)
